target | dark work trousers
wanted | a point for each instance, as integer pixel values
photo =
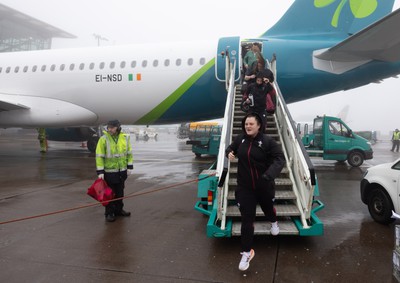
(115, 207)
(396, 144)
(247, 200)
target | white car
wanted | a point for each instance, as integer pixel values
(380, 189)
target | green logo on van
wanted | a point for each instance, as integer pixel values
(359, 8)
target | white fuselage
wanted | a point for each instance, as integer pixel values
(89, 86)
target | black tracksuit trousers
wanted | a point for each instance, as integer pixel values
(247, 200)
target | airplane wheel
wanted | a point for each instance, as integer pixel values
(92, 144)
(355, 158)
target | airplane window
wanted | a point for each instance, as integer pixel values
(166, 62)
(202, 61)
(43, 68)
(91, 66)
(144, 63)
(8, 70)
(52, 68)
(123, 64)
(1, 69)
(112, 65)
(101, 66)
(133, 64)
(71, 67)
(82, 66)
(190, 61)
(178, 62)
(155, 63)
(34, 68)
(25, 69)
(62, 67)
(16, 69)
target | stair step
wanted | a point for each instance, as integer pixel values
(233, 168)
(286, 227)
(281, 210)
(278, 182)
(279, 195)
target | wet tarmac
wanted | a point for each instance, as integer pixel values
(165, 238)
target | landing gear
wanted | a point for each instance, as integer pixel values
(92, 143)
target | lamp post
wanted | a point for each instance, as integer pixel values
(99, 37)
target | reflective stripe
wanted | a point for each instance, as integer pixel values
(114, 170)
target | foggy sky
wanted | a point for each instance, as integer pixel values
(372, 107)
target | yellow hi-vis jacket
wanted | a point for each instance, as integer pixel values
(114, 154)
(396, 136)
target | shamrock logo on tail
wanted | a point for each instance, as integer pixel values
(359, 8)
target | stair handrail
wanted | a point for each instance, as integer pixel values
(300, 167)
(223, 164)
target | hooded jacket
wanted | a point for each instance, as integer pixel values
(260, 159)
(114, 156)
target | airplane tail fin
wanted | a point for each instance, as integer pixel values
(344, 17)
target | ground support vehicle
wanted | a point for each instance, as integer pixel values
(332, 139)
(205, 140)
(379, 191)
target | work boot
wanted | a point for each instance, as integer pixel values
(110, 217)
(123, 213)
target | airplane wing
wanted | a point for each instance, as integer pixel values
(8, 106)
(379, 41)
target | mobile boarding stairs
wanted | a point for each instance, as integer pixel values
(296, 195)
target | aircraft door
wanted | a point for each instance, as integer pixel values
(230, 46)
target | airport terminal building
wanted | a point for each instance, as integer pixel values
(20, 32)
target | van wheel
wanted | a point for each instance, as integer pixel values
(380, 206)
(355, 158)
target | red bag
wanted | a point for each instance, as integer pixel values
(100, 191)
(270, 104)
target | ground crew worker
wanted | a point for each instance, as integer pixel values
(42, 139)
(114, 162)
(396, 140)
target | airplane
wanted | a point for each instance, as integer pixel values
(320, 47)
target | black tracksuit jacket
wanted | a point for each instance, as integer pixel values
(260, 160)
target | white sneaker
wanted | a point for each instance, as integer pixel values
(274, 228)
(245, 261)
